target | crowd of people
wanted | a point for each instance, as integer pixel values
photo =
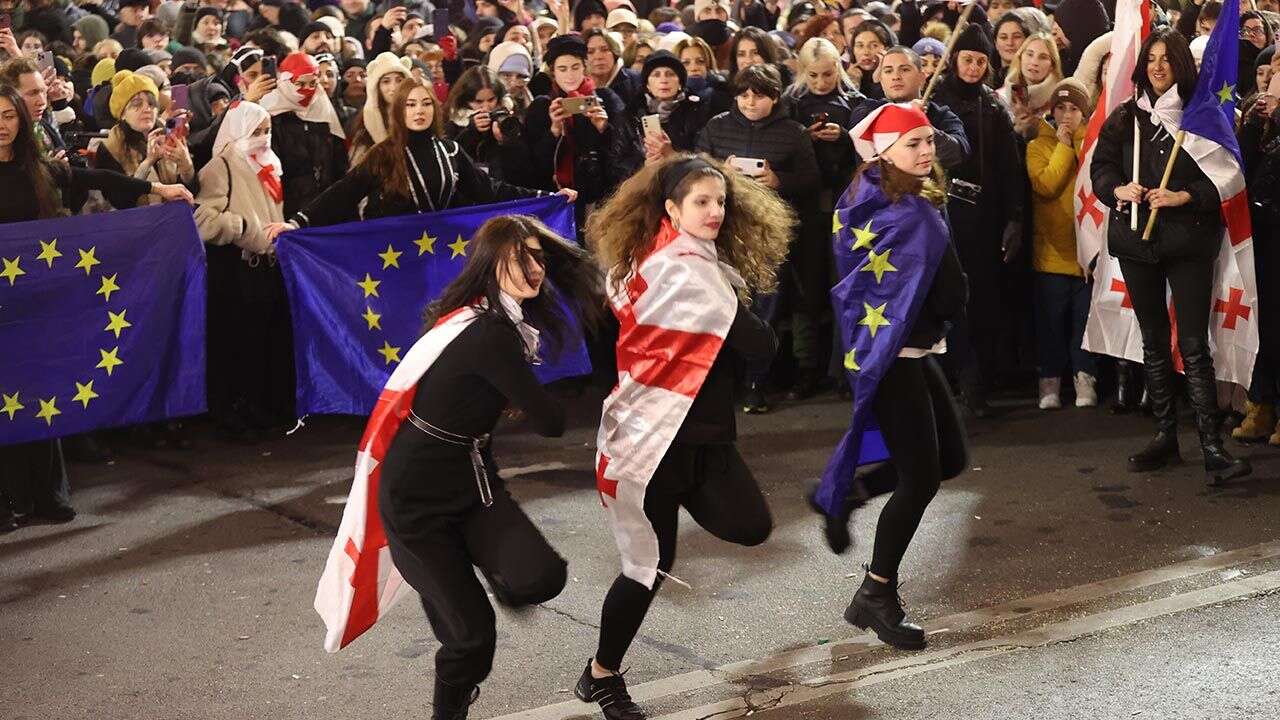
(272, 115)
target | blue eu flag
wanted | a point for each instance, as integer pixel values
(886, 255)
(101, 322)
(357, 293)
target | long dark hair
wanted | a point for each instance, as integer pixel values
(467, 86)
(26, 155)
(1180, 59)
(571, 278)
(765, 45)
(386, 159)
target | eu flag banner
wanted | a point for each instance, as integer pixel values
(357, 293)
(101, 321)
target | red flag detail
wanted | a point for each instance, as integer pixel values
(1232, 308)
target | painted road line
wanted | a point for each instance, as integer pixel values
(826, 686)
(698, 679)
(508, 473)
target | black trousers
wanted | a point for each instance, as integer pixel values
(714, 484)
(1191, 284)
(438, 557)
(926, 439)
(33, 477)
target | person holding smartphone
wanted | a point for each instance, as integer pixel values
(578, 133)
(138, 145)
(759, 138)
(667, 114)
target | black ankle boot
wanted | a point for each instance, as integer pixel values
(611, 694)
(878, 607)
(755, 402)
(451, 702)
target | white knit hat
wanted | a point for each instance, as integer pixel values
(385, 63)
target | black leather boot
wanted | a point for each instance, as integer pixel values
(1202, 387)
(610, 693)
(1128, 388)
(451, 702)
(878, 607)
(755, 402)
(1163, 447)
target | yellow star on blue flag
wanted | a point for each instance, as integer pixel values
(874, 318)
(11, 270)
(1226, 94)
(459, 247)
(49, 251)
(878, 264)
(863, 237)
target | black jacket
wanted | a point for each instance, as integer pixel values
(469, 186)
(836, 160)
(994, 161)
(311, 158)
(601, 160)
(1191, 231)
(947, 296)
(777, 138)
(683, 124)
(627, 86)
(711, 417)
(508, 160)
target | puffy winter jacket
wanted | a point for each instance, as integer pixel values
(1052, 168)
(777, 138)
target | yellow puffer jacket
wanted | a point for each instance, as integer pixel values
(1052, 168)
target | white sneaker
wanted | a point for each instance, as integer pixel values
(1049, 399)
(1086, 390)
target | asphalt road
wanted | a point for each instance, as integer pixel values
(1054, 584)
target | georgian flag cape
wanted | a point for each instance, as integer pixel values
(360, 583)
(674, 313)
(1208, 121)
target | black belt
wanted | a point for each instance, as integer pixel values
(476, 445)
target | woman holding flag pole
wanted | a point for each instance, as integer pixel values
(1177, 253)
(427, 493)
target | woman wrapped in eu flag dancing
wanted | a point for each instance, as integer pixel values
(900, 282)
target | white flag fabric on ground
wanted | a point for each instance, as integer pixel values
(674, 313)
(360, 583)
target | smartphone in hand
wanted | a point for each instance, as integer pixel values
(181, 97)
(439, 24)
(269, 65)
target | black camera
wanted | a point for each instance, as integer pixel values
(965, 191)
(77, 144)
(508, 124)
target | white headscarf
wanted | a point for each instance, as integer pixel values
(288, 98)
(235, 139)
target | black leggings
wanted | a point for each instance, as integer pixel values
(922, 430)
(715, 486)
(1191, 283)
(437, 556)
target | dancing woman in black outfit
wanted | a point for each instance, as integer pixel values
(444, 507)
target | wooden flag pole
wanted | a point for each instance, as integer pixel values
(1164, 181)
(946, 54)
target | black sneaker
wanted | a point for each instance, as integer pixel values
(610, 693)
(755, 402)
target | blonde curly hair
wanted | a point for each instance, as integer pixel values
(757, 230)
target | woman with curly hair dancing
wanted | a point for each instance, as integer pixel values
(684, 242)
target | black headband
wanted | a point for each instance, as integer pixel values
(676, 174)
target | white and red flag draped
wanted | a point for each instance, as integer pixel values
(360, 583)
(674, 313)
(1208, 124)
(1132, 26)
